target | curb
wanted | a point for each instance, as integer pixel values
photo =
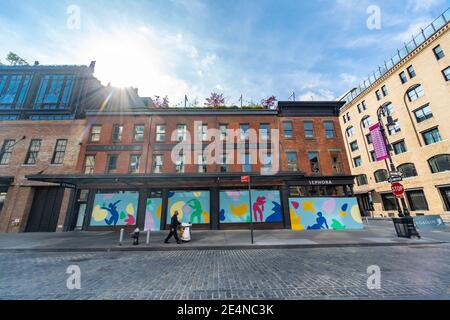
(222, 247)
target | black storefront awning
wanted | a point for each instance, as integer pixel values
(290, 178)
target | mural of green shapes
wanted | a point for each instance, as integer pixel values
(192, 206)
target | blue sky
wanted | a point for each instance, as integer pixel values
(319, 49)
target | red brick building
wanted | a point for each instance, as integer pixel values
(128, 174)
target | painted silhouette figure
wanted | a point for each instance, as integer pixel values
(112, 209)
(258, 208)
(197, 207)
(321, 223)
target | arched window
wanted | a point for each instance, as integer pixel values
(388, 108)
(361, 180)
(408, 170)
(415, 93)
(381, 175)
(350, 131)
(366, 121)
(439, 163)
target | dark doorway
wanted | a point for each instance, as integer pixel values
(44, 212)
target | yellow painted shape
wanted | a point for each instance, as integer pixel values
(130, 209)
(308, 206)
(205, 217)
(343, 214)
(239, 210)
(99, 214)
(197, 194)
(177, 206)
(158, 211)
(295, 221)
(356, 214)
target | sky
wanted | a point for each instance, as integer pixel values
(255, 48)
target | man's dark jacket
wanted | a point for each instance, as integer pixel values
(174, 223)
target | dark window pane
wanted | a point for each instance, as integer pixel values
(417, 200)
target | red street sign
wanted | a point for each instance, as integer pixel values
(245, 179)
(397, 189)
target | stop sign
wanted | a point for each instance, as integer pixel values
(397, 189)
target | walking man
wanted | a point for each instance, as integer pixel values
(174, 223)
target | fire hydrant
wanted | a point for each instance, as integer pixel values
(135, 237)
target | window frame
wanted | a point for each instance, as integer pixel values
(136, 133)
(160, 135)
(99, 126)
(446, 78)
(6, 151)
(333, 131)
(385, 173)
(91, 167)
(437, 54)
(400, 142)
(113, 132)
(289, 162)
(130, 166)
(291, 130)
(35, 151)
(155, 163)
(108, 162)
(425, 116)
(428, 131)
(435, 164)
(309, 131)
(57, 153)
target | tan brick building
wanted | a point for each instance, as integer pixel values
(413, 88)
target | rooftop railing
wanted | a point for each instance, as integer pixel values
(416, 41)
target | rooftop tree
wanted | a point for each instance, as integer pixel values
(269, 103)
(215, 100)
(15, 60)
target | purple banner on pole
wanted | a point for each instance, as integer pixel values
(379, 145)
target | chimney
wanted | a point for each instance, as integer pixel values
(92, 65)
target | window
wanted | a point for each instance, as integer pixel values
(60, 151)
(13, 90)
(179, 163)
(446, 73)
(223, 131)
(411, 71)
(439, 163)
(313, 158)
(6, 151)
(308, 128)
(117, 132)
(348, 116)
(359, 108)
(246, 163)
(431, 136)
(415, 93)
(201, 163)
(438, 53)
(357, 161)
(361, 180)
(54, 92)
(381, 175)
(264, 130)
(160, 132)
(2, 199)
(243, 127)
(33, 151)
(354, 145)
(292, 161)
(287, 128)
(329, 129)
(89, 163)
(95, 133)
(417, 200)
(408, 170)
(388, 108)
(336, 164)
(369, 139)
(384, 90)
(399, 147)
(202, 130)
(344, 118)
(111, 165)
(158, 160)
(366, 122)
(181, 132)
(403, 77)
(139, 132)
(389, 201)
(394, 128)
(224, 163)
(350, 131)
(373, 156)
(378, 95)
(135, 160)
(364, 105)
(266, 164)
(423, 113)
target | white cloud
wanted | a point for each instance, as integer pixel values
(348, 79)
(317, 95)
(424, 5)
(413, 30)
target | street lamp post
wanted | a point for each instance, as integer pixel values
(391, 167)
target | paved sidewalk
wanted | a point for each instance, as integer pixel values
(377, 233)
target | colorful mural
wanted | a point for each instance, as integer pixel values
(234, 206)
(115, 209)
(192, 206)
(324, 213)
(153, 214)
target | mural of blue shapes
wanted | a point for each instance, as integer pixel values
(344, 207)
(276, 216)
(192, 206)
(222, 215)
(170, 194)
(321, 223)
(114, 209)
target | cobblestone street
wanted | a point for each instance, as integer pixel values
(406, 272)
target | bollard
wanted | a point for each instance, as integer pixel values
(148, 236)
(121, 237)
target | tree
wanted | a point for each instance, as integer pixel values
(269, 103)
(15, 60)
(161, 103)
(215, 100)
